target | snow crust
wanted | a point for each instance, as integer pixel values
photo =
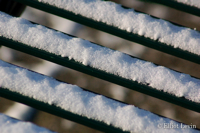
(10, 125)
(102, 58)
(74, 99)
(133, 22)
(195, 3)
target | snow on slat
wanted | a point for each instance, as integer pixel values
(102, 58)
(10, 125)
(133, 22)
(76, 100)
(194, 3)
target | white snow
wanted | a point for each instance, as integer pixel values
(133, 22)
(10, 125)
(195, 3)
(21, 111)
(87, 53)
(74, 99)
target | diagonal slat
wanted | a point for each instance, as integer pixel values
(127, 24)
(101, 62)
(73, 103)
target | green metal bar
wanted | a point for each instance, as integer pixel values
(177, 5)
(53, 109)
(134, 85)
(114, 31)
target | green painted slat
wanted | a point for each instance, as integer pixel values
(179, 6)
(53, 109)
(64, 61)
(114, 31)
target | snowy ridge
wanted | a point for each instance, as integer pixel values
(133, 22)
(195, 3)
(10, 125)
(87, 53)
(74, 99)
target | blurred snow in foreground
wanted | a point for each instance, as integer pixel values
(10, 125)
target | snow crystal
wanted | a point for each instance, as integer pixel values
(195, 3)
(102, 58)
(10, 125)
(74, 99)
(133, 22)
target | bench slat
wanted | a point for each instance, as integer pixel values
(179, 41)
(101, 62)
(73, 103)
(88, 108)
(54, 110)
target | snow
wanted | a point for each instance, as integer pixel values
(102, 58)
(74, 99)
(133, 22)
(21, 111)
(195, 3)
(26, 113)
(10, 125)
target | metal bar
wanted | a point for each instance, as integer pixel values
(134, 85)
(53, 109)
(114, 31)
